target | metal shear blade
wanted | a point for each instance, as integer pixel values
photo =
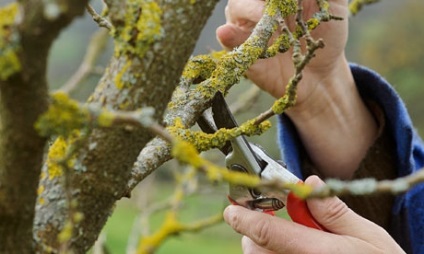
(251, 159)
(239, 157)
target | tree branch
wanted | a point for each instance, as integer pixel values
(23, 91)
(95, 48)
(246, 100)
(143, 72)
(368, 186)
(103, 22)
(356, 6)
(189, 104)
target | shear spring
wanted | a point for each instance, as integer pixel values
(266, 204)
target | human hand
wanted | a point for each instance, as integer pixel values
(331, 119)
(349, 232)
(273, 74)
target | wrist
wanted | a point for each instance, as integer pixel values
(333, 122)
(322, 87)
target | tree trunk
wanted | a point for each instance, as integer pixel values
(23, 97)
(132, 81)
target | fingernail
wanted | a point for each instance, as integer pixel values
(314, 181)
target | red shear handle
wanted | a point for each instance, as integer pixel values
(233, 202)
(299, 212)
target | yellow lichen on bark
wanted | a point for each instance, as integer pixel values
(120, 78)
(9, 46)
(230, 68)
(356, 5)
(312, 23)
(200, 66)
(40, 190)
(68, 229)
(204, 141)
(169, 226)
(187, 153)
(300, 190)
(172, 226)
(280, 45)
(287, 7)
(149, 23)
(142, 27)
(57, 152)
(62, 117)
(105, 118)
(287, 100)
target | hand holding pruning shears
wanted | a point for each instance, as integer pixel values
(348, 232)
(327, 99)
(321, 226)
(245, 157)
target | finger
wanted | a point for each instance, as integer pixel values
(240, 12)
(334, 215)
(231, 36)
(282, 236)
(242, 16)
(250, 247)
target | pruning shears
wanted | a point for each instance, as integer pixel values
(243, 156)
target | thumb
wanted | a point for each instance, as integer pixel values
(337, 217)
(231, 36)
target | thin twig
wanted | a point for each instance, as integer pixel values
(188, 106)
(103, 22)
(246, 100)
(186, 153)
(95, 48)
(356, 6)
(368, 186)
(100, 245)
(171, 224)
(299, 60)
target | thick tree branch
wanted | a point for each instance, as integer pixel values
(143, 72)
(23, 95)
(189, 104)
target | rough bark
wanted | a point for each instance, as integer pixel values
(102, 168)
(23, 97)
(189, 104)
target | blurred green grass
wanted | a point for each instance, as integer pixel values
(215, 239)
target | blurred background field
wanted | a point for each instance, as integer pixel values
(216, 239)
(386, 37)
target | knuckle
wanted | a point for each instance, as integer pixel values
(261, 233)
(335, 211)
(234, 221)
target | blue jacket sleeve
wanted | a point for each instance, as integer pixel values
(408, 212)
